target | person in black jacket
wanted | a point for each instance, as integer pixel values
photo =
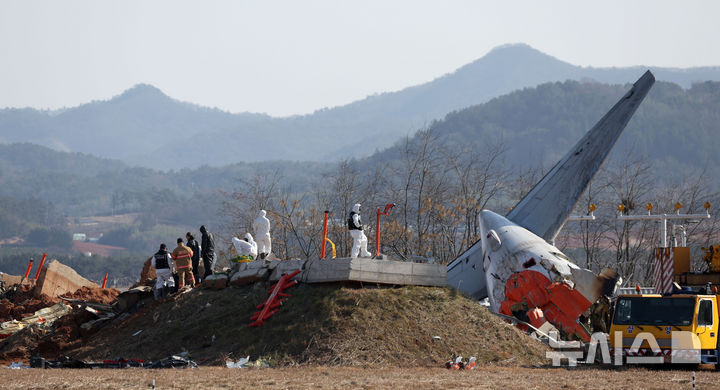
(207, 249)
(163, 264)
(193, 244)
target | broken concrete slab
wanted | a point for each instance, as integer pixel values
(215, 282)
(279, 268)
(11, 280)
(374, 271)
(133, 297)
(343, 270)
(250, 272)
(58, 279)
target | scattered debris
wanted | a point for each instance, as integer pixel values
(23, 303)
(17, 366)
(134, 298)
(242, 363)
(174, 361)
(458, 364)
(246, 363)
(122, 363)
(43, 318)
(276, 299)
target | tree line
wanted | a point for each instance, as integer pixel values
(439, 190)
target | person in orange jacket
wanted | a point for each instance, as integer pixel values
(182, 255)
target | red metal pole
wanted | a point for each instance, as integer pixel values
(388, 207)
(27, 273)
(324, 243)
(104, 280)
(42, 262)
(377, 234)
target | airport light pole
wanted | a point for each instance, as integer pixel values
(663, 218)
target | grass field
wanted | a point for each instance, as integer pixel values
(360, 378)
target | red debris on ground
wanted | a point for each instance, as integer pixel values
(24, 304)
(95, 295)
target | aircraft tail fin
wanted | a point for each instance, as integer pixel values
(547, 206)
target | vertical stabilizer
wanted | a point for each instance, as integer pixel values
(547, 206)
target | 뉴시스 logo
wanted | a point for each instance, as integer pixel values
(681, 348)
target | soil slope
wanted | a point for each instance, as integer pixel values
(318, 325)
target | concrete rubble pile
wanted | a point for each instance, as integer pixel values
(43, 318)
(54, 280)
(52, 312)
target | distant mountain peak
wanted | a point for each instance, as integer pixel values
(511, 46)
(142, 90)
(516, 51)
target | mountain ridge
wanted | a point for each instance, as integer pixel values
(144, 127)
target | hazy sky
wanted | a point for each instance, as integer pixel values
(292, 57)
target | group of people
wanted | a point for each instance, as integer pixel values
(182, 265)
(248, 249)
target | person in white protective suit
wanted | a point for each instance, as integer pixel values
(261, 225)
(247, 248)
(163, 264)
(356, 231)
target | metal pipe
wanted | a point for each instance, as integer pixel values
(27, 273)
(377, 233)
(42, 262)
(388, 207)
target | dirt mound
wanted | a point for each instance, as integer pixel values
(20, 345)
(95, 295)
(66, 333)
(24, 304)
(318, 325)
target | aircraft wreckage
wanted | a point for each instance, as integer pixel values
(514, 265)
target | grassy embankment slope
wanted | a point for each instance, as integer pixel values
(320, 325)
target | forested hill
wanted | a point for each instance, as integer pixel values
(24, 158)
(677, 129)
(78, 185)
(144, 127)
